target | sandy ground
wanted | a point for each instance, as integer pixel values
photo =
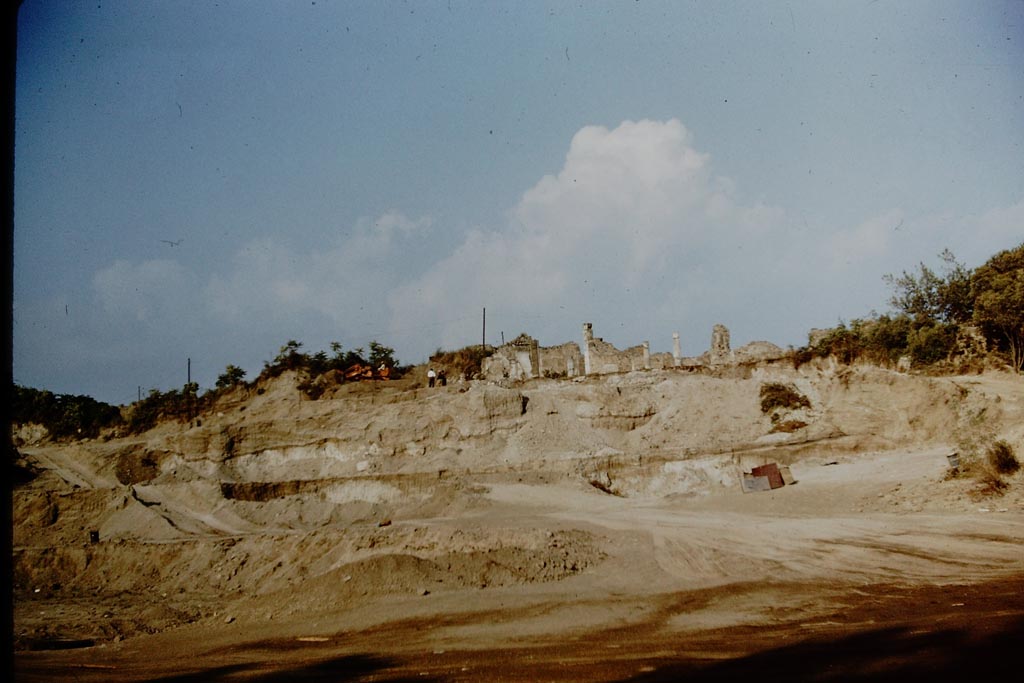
(458, 535)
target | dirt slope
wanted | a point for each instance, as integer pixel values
(405, 523)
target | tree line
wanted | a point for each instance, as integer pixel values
(945, 319)
(75, 416)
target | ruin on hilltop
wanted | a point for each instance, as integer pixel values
(524, 357)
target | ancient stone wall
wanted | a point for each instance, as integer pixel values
(518, 359)
(720, 351)
(523, 358)
(663, 361)
(605, 358)
(563, 360)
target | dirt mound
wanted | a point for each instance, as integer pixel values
(583, 503)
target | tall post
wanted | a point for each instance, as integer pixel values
(189, 371)
(483, 338)
(588, 336)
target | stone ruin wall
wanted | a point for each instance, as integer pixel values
(561, 361)
(523, 357)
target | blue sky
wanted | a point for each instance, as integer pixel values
(209, 180)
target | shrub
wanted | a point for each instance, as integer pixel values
(158, 405)
(885, 338)
(930, 344)
(231, 376)
(288, 357)
(841, 342)
(775, 395)
(788, 426)
(464, 362)
(312, 389)
(1002, 458)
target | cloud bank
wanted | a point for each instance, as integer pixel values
(635, 233)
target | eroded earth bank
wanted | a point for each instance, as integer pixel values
(592, 529)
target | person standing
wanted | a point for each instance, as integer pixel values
(431, 376)
(442, 376)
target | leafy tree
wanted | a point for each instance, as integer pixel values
(885, 338)
(353, 357)
(381, 355)
(930, 344)
(929, 296)
(318, 363)
(842, 342)
(956, 300)
(342, 360)
(289, 357)
(232, 375)
(63, 415)
(998, 291)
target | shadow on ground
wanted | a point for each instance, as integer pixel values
(336, 670)
(889, 654)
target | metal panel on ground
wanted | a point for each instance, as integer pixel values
(752, 484)
(771, 470)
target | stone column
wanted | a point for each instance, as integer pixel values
(647, 355)
(588, 336)
(721, 352)
(677, 353)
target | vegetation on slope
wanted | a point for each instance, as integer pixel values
(948, 321)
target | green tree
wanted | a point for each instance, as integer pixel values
(998, 292)
(289, 357)
(231, 376)
(930, 344)
(342, 360)
(381, 355)
(318, 363)
(63, 415)
(886, 338)
(929, 296)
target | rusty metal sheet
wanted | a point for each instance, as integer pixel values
(771, 470)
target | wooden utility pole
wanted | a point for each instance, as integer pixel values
(483, 338)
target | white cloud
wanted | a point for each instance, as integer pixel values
(632, 209)
(871, 239)
(342, 281)
(144, 291)
(393, 221)
(634, 233)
